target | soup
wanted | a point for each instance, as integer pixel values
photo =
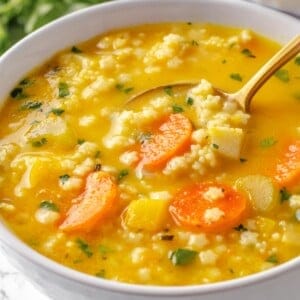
(176, 182)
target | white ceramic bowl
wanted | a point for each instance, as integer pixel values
(62, 283)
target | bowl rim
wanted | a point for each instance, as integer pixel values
(9, 239)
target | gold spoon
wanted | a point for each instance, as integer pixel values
(246, 93)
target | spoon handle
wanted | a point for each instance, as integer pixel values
(246, 93)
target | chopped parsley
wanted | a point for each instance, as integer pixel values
(84, 247)
(177, 109)
(74, 49)
(189, 23)
(283, 75)
(39, 143)
(144, 136)
(123, 173)
(215, 146)
(268, 142)
(190, 101)
(97, 154)
(124, 89)
(168, 90)
(18, 93)
(104, 250)
(49, 205)
(272, 259)
(284, 195)
(181, 256)
(243, 160)
(194, 43)
(224, 61)
(80, 141)
(31, 105)
(236, 76)
(57, 111)
(248, 53)
(241, 228)
(63, 90)
(64, 178)
(101, 273)
(297, 60)
(296, 95)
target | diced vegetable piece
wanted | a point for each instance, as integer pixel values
(228, 140)
(265, 225)
(182, 256)
(146, 214)
(291, 234)
(172, 137)
(93, 205)
(287, 170)
(261, 191)
(53, 130)
(196, 208)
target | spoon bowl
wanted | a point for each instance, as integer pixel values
(244, 96)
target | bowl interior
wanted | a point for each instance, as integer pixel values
(81, 26)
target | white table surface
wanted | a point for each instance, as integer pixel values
(14, 286)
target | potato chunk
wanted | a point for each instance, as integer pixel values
(228, 141)
(146, 214)
(260, 190)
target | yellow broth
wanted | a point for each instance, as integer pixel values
(56, 128)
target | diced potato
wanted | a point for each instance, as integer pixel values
(260, 190)
(265, 225)
(146, 214)
(228, 141)
(292, 235)
(54, 130)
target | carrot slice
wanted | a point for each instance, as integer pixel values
(287, 170)
(208, 206)
(93, 204)
(172, 137)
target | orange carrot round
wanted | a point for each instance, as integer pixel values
(208, 206)
(93, 204)
(287, 170)
(172, 137)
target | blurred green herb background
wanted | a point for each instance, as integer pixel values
(20, 17)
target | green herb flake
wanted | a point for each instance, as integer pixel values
(57, 111)
(144, 136)
(284, 195)
(39, 143)
(182, 256)
(123, 173)
(268, 142)
(248, 53)
(215, 146)
(296, 95)
(236, 76)
(74, 49)
(283, 75)
(64, 178)
(243, 160)
(31, 105)
(272, 259)
(84, 247)
(101, 273)
(18, 93)
(177, 109)
(194, 43)
(26, 82)
(297, 61)
(97, 154)
(104, 250)
(189, 23)
(224, 61)
(120, 87)
(190, 101)
(63, 90)
(241, 228)
(48, 205)
(168, 90)
(80, 141)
